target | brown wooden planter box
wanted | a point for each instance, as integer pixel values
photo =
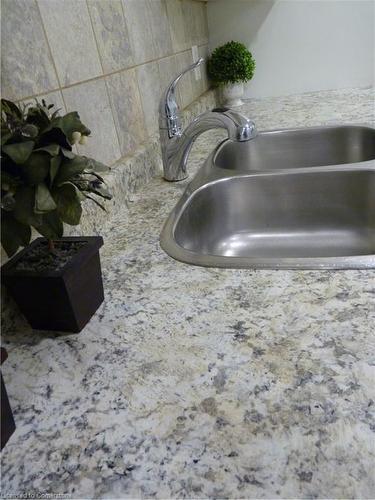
(7, 421)
(62, 300)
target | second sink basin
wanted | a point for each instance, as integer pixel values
(299, 148)
(254, 219)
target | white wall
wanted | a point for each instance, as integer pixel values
(300, 45)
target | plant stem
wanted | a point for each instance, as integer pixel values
(51, 246)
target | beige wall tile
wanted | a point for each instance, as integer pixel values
(127, 109)
(160, 28)
(185, 85)
(205, 34)
(200, 26)
(137, 14)
(149, 86)
(204, 83)
(111, 33)
(91, 101)
(26, 64)
(177, 25)
(71, 39)
(187, 12)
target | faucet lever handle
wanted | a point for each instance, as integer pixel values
(172, 86)
(168, 106)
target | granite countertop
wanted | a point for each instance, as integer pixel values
(193, 382)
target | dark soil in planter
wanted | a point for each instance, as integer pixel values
(40, 258)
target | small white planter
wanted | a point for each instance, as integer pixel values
(232, 94)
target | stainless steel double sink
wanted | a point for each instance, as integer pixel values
(287, 199)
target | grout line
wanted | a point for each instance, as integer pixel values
(59, 89)
(131, 41)
(134, 66)
(104, 77)
(169, 25)
(112, 114)
(130, 38)
(95, 39)
(186, 43)
(147, 135)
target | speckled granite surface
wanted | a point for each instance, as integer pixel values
(203, 383)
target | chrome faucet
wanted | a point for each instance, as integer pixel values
(176, 143)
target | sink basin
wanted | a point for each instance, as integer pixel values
(299, 148)
(292, 199)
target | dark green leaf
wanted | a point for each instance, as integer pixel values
(24, 207)
(30, 130)
(79, 194)
(20, 151)
(54, 135)
(37, 115)
(52, 149)
(43, 199)
(70, 123)
(55, 164)
(9, 107)
(94, 174)
(13, 233)
(8, 182)
(68, 204)
(55, 113)
(96, 202)
(51, 226)
(37, 167)
(70, 168)
(100, 191)
(96, 166)
(5, 137)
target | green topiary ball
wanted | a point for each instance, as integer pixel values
(231, 63)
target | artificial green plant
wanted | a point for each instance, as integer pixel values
(43, 182)
(231, 63)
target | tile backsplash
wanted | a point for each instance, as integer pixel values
(108, 59)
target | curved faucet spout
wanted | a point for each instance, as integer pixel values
(176, 144)
(238, 126)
